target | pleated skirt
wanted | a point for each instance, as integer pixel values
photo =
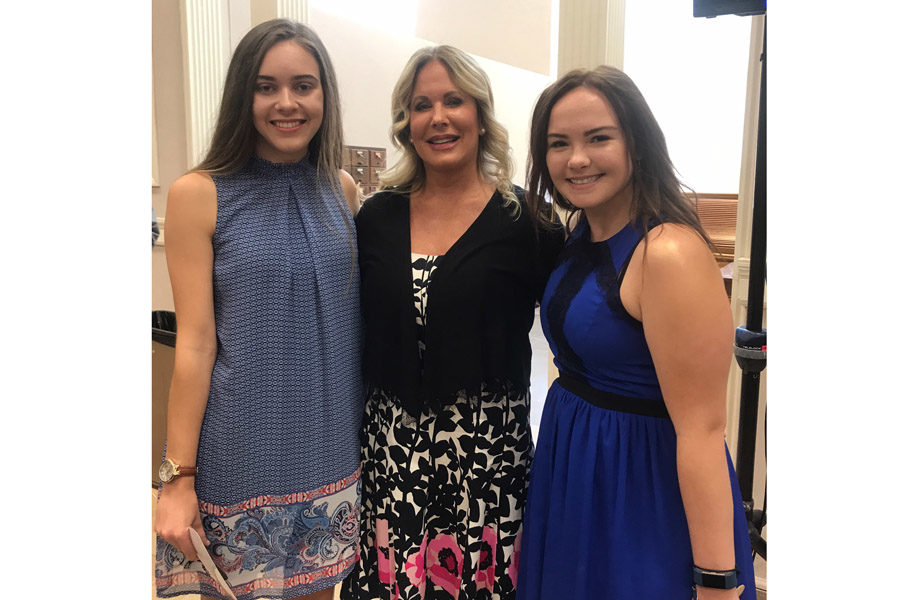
(604, 519)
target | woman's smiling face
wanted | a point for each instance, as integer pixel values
(288, 104)
(587, 154)
(443, 122)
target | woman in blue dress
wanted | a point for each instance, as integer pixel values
(633, 495)
(266, 397)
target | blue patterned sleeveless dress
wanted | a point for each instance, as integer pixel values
(604, 518)
(278, 453)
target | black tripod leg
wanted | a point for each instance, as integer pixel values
(749, 408)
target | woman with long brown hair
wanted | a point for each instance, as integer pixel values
(266, 396)
(633, 495)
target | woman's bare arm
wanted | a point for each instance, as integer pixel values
(190, 223)
(688, 327)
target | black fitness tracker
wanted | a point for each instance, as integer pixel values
(720, 580)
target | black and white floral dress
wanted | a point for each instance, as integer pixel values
(443, 492)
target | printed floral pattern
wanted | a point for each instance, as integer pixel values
(442, 500)
(445, 563)
(415, 568)
(484, 576)
(443, 492)
(423, 266)
(514, 563)
(269, 550)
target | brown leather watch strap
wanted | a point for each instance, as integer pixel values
(187, 471)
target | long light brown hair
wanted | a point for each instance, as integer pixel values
(235, 137)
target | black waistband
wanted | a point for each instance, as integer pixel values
(608, 400)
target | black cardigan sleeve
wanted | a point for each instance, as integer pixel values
(390, 353)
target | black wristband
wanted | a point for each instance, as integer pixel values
(720, 580)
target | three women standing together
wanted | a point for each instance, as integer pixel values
(274, 382)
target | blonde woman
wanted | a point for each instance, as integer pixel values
(452, 263)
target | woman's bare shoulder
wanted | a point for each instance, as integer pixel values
(351, 191)
(192, 201)
(194, 184)
(673, 245)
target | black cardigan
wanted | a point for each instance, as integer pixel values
(481, 301)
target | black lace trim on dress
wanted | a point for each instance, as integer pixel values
(585, 257)
(558, 305)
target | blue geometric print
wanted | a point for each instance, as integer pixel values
(286, 395)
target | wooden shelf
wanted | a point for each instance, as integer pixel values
(718, 216)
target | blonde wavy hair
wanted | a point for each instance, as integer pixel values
(494, 159)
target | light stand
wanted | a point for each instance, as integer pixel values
(750, 340)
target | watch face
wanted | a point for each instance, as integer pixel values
(166, 471)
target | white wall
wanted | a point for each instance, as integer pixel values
(514, 32)
(693, 73)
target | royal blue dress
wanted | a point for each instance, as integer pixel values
(278, 455)
(604, 518)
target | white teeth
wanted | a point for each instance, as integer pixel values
(286, 124)
(584, 179)
(441, 140)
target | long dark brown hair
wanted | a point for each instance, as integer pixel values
(659, 196)
(235, 137)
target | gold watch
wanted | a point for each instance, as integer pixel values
(168, 470)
